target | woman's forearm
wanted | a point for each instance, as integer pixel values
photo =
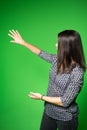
(31, 48)
(53, 100)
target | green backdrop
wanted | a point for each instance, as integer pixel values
(21, 71)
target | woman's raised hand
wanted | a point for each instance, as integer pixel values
(17, 38)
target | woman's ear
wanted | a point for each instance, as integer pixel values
(56, 45)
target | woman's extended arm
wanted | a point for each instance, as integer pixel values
(53, 100)
(70, 93)
(17, 38)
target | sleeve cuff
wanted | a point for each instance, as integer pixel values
(41, 51)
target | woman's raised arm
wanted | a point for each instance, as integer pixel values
(17, 38)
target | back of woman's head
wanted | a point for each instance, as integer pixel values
(70, 49)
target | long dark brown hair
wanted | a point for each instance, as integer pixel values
(69, 48)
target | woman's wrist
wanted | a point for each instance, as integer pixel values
(42, 97)
(24, 43)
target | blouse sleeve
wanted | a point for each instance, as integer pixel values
(47, 56)
(73, 88)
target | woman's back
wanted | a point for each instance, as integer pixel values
(66, 86)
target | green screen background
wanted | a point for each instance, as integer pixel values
(21, 71)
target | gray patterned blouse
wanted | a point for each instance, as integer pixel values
(65, 86)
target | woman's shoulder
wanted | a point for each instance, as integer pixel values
(77, 68)
(77, 71)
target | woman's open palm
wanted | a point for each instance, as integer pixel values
(17, 38)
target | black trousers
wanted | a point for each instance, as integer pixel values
(48, 123)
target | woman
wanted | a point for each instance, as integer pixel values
(65, 80)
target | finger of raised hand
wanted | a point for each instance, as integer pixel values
(13, 41)
(14, 32)
(18, 33)
(10, 35)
